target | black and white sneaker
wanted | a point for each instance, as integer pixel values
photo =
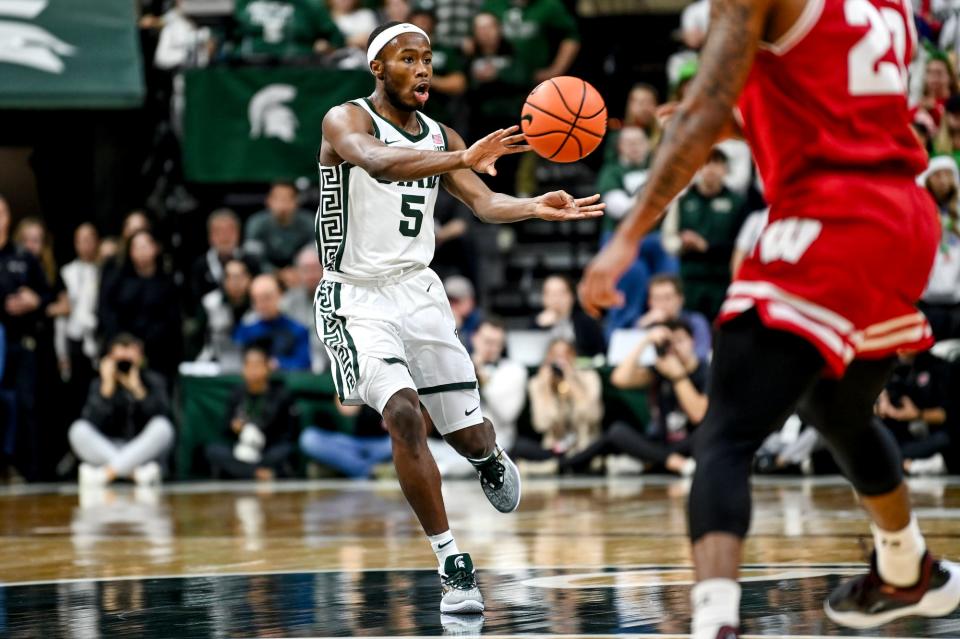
(461, 593)
(500, 481)
(866, 601)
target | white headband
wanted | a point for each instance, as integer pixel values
(385, 36)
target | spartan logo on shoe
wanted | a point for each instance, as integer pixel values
(459, 563)
(467, 413)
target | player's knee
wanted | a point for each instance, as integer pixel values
(475, 442)
(404, 422)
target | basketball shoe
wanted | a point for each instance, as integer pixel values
(500, 481)
(461, 625)
(458, 583)
(866, 601)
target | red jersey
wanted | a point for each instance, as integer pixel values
(851, 237)
(830, 96)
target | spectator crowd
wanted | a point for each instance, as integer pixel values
(92, 351)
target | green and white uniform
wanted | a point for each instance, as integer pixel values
(381, 312)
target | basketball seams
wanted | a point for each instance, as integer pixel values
(564, 100)
(583, 98)
(574, 123)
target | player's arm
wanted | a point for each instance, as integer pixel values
(347, 129)
(736, 27)
(499, 208)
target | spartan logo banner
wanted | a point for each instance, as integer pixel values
(65, 54)
(259, 125)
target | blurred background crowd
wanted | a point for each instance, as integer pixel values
(158, 264)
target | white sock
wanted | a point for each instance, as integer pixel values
(716, 603)
(443, 546)
(899, 553)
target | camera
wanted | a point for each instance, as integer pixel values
(662, 348)
(124, 366)
(557, 371)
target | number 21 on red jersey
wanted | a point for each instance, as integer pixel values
(888, 29)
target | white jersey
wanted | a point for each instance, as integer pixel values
(370, 228)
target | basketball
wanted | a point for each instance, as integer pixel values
(564, 119)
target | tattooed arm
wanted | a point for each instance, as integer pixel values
(736, 27)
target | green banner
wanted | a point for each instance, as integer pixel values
(258, 125)
(69, 54)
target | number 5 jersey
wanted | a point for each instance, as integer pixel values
(372, 228)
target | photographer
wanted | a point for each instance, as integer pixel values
(665, 360)
(261, 424)
(914, 407)
(565, 406)
(125, 426)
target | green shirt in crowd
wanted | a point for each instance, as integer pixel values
(616, 175)
(718, 220)
(454, 21)
(277, 245)
(284, 28)
(498, 100)
(446, 60)
(534, 28)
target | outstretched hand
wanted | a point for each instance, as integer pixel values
(598, 288)
(483, 153)
(560, 206)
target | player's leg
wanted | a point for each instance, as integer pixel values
(757, 377)
(416, 469)
(388, 387)
(842, 410)
(458, 418)
(447, 384)
(367, 353)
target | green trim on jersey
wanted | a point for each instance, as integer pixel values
(424, 128)
(345, 201)
(355, 359)
(345, 365)
(443, 132)
(430, 390)
(376, 129)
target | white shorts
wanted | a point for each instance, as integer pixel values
(383, 338)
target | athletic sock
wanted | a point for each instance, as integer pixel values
(480, 462)
(899, 554)
(443, 546)
(716, 603)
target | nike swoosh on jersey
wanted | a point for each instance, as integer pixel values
(467, 413)
(389, 142)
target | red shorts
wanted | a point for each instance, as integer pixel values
(842, 263)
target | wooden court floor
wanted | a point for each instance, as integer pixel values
(597, 557)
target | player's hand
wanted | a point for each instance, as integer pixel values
(598, 288)
(731, 129)
(560, 206)
(482, 155)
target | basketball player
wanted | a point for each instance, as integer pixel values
(382, 314)
(821, 306)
